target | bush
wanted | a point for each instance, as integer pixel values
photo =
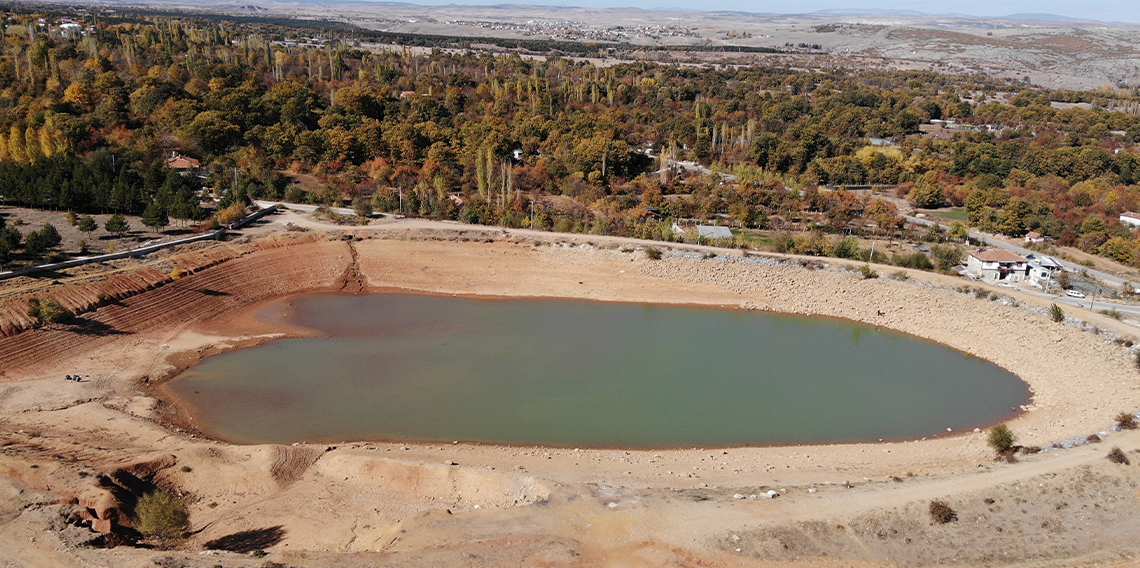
(1056, 313)
(1126, 421)
(867, 272)
(942, 513)
(362, 207)
(1117, 456)
(1001, 439)
(652, 253)
(1113, 313)
(946, 256)
(162, 515)
(46, 311)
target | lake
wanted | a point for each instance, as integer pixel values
(573, 373)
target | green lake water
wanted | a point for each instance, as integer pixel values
(408, 367)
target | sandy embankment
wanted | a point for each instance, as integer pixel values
(361, 496)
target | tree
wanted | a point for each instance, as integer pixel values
(847, 248)
(362, 207)
(927, 197)
(10, 238)
(117, 224)
(1001, 439)
(43, 240)
(86, 224)
(958, 231)
(946, 256)
(155, 216)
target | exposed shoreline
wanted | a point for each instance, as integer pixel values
(1078, 382)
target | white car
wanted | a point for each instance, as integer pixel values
(1006, 285)
(1074, 294)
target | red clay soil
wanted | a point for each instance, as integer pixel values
(224, 278)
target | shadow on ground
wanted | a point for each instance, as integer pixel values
(248, 541)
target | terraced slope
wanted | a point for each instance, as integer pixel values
(214, 282)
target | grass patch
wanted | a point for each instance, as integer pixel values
(953, 213)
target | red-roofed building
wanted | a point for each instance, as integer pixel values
(184, 164)
(997, 264)
(1034, 237)
(1132, 220)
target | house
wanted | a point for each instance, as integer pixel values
(183, 164)
(997, 264)
(1034, 237)
(713, 232)
(705, 231)
(1043, 270)
(1131, 219)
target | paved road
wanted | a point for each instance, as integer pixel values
(311, 208)
(989, 240)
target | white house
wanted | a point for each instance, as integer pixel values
(705, 231)
(1043, 270)
(1034, 237)
(997, 264)
(1131, 219)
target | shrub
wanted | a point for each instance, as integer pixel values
(1093, 439)
(46, 311)
(1126, 421)
(162, 515)
(900, 275)
(1001, 439)
(1113, 313)
(1117, 456)
(652, 253)
(942, 513)
(946, 256)
(362, 207)
(1056, 313)
(867, 272)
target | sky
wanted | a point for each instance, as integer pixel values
(1104, 10)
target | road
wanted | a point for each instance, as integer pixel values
(311, 208)
(989, 240)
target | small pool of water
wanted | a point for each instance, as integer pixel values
(409, 367)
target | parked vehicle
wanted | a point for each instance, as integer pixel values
(1074, 293)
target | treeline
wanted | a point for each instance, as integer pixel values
(87, 123)
(96, 184)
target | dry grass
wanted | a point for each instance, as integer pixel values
(942, 513)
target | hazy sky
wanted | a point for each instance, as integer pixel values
(1114, 11)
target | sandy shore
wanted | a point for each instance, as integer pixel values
(410, 504)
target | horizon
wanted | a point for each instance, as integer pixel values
(1096, 11)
